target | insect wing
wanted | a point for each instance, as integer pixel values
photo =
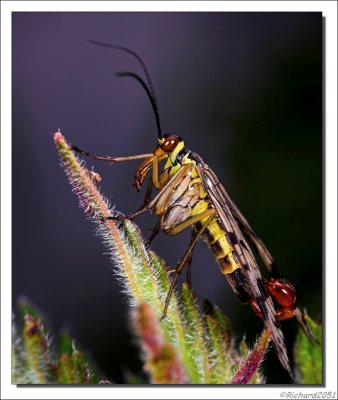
(219, 199)
(263, 252)
(256, 241)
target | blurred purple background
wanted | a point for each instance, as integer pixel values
(243, 89)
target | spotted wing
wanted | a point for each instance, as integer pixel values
(219, 199)
(262, 250)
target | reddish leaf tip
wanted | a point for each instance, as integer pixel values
(251, 364)
(58, 137)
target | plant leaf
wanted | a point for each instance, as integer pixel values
(161, 358)
(203, 342)
(251, 363)
(308, 355)
(33, 358)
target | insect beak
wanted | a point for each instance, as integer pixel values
(145, 167)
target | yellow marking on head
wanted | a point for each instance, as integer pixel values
(173, 155)
(177, 149)
(161, 140)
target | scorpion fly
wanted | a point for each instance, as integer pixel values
(191, 196)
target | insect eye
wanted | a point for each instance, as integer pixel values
(169, 143)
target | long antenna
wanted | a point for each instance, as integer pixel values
(152, 100)
(148, 88)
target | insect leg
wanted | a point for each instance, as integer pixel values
(164, 188)
(189, 260)
(147, 197)
(156, 182)
(147, 203)
(155, 232)
(209, 214)
(109, 158)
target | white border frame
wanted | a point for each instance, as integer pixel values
(8, 391)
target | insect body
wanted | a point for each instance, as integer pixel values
(190, 196)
